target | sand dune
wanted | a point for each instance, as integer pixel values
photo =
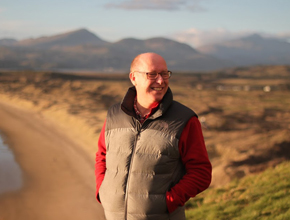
(58, 174)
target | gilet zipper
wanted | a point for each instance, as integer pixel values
(138, 129)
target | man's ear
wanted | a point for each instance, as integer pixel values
(132, 78)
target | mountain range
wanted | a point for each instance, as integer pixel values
(251, 50)
(83, 50)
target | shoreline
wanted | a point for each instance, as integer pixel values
(58, 173)
(10, 171)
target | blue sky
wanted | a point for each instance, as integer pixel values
(196, 22)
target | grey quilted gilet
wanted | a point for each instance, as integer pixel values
(142, 161)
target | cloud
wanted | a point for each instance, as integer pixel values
(2, 10)
(20, 29)
(197, 38)
(285, 36)
(168, 5)
(10, 25)
(281, 35)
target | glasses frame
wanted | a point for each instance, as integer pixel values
(168, 71)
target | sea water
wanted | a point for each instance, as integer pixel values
(10, 171)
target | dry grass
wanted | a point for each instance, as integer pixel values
(245, 129)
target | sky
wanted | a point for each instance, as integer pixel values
(195, 22)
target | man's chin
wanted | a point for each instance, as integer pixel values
(157, 97)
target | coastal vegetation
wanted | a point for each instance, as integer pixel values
(244, 112)
(263, 196)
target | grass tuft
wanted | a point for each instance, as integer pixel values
(262, 196)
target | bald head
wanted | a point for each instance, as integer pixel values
(146, 60)
(149, 91)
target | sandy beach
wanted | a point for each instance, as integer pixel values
(58, 174)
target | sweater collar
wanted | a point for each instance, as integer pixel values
(127, 104)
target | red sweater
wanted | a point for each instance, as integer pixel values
(193, 155)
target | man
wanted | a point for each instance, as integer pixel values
(151, 157)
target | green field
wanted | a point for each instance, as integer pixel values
(262, 196)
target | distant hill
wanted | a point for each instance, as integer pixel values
(179, 56)
(7, 42)
(251, 50)
(83, 50)
(74, 38)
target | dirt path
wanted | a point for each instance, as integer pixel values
(58, 174)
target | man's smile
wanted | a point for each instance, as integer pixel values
(157, 88)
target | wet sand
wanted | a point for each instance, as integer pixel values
(10, 172)
(58, 175)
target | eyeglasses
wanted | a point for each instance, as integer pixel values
(153, 75)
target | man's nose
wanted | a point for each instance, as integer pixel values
(159, 79)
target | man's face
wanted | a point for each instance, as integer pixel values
(148, 90)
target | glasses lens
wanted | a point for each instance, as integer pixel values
(152, 75)
(165, 74)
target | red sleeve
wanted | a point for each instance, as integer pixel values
(100, 166)
(198, 167)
